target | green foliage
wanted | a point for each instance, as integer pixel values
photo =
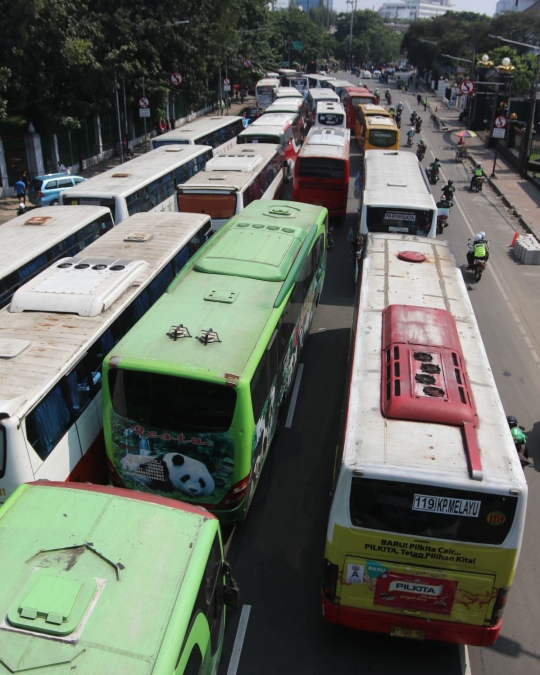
(466, 34)
(372, 41)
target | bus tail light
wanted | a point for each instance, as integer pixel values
(329, 582)
(500, 603)
(114, 476)
(236, 494)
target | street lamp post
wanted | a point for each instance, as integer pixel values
(525, 152)
(505, 72)
(351, 3)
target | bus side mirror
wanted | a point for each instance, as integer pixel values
(231, 592)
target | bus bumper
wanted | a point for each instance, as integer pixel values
(383, 622)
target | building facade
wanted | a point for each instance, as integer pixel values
(514, 5)
(410, 10)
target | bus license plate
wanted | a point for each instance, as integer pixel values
(409, 633)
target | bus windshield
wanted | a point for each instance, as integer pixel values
(395, 219)
(431, 511)
(321, 167)
(172, 403)
(362, 100)
(216, 205)
(382, 138)
(330, 119)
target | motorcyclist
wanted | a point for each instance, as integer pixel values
(414, 115)
(435, 165)
(418, 124)
(448, 190)
(520, 439)
(478, 249)
(400, 105)
(421, 149)
(392, 111)
(410, 136)
(478, 172)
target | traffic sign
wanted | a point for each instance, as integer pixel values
(226, 81)
(500, 122)
(467, 87)
(144, 112)
(246, 63)
(498, 133)
(176, 78)
(144, 102)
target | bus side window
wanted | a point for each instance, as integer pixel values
(290, 316)
(305, 277)
(194, 664)
(259, 387)
(210, 595)
(48, 421)
(273, 362)
(317, 252)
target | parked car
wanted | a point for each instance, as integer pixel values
(376, 73)
(366, 75)
(44, 190)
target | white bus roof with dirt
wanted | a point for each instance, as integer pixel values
(387, 173)
(429, 450)
(232, 171)
(324, 142)
(125, 178)
(38, 348)
(191, 131)
(27, 236)
(288, 92)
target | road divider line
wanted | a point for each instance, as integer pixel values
(465, 662)
(294, 397)
(239, 640)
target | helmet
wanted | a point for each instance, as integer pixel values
(512, 421)
(518, 435)
(400, 103)
(436, 159)
(421, 140)
(479, 236)
(450, 182)
(478, 165)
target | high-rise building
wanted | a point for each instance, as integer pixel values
(513, 5)
(306, 5)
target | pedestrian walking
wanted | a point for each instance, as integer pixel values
(418, 98)
(424, 102)
(221, 106)
(20, 191)
(62, 168)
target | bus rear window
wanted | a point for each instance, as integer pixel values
(382, 138)
(215, 205)
(177, 141)
(404, 221)
(319, 167)
(362, 100)
(330, 120)
(431, 511)
(172, 403)
(261, 138)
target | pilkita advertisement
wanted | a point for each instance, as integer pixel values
(423, 593)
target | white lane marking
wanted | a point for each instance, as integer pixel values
(465, 662)
(239, 640)
(292, 406)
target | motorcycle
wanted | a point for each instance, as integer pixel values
(520, 439)
(398, 121)
(477, 183)
(478, 268)
(410, 137)
(433, 175)
(420, 152)
(389, 99)
(413, 118)
(418, 125)
(443, 213)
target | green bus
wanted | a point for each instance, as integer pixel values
(97, 579)
(192, 394)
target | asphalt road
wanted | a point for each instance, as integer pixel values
(277, 552)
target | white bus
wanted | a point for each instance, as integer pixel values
(218, 132)
(316, 96)
(339, 85)
(31, 242)
(264, 91)
(231, 182)
(428, 509)
(56, 332)
(317, 81)
(295, 105)
(396, 195)
(287, 92)
(146, 183)
(330, 114)
(285, 74)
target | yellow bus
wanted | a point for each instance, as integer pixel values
(381, 133)
(364, 111)
(428, 509)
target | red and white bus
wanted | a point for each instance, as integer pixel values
(351, 98)
(283, 129)
(321, 174)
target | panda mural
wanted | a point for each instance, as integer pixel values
(173, 472)
(171, 464)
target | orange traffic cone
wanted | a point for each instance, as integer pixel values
(514, 238)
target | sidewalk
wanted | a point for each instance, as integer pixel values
(519, 194)
(8, 205)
